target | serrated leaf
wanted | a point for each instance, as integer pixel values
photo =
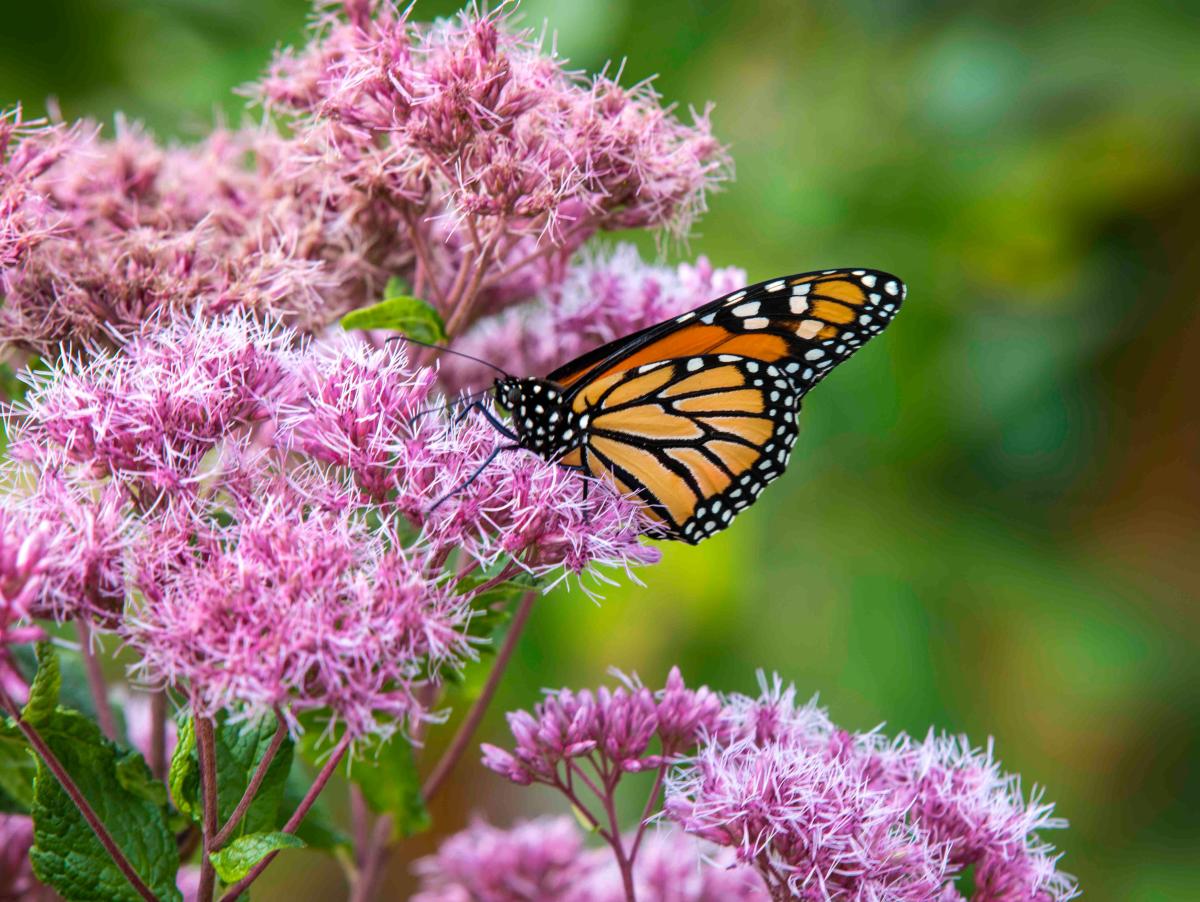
(391, 785)
(66, 853)
(43, 693)
(134, 775)
(234, 861)
(183, 778)
(318, 829)
(405, 314)
(240, 748)
(74, 691)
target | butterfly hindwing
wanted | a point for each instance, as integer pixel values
(695, 439)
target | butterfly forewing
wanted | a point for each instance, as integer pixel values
(807, 323)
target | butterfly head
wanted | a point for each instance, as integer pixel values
(542, 420)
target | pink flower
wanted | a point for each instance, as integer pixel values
(826, 814)
(534, 861)
(85, 538)
(148, 414)
(300, 608)
(517, 507)
(544, 860)
(17, 880)
(498, 160)
(612, 726)
(21, 565)
(674, 867)
(353, 407)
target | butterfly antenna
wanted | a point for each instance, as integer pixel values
(446, 350)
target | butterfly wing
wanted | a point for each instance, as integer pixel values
(696, 415)
(696, 440)
(807, 323)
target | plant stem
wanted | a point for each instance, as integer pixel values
(462, 738)
(158, 734)
(296, 819)
(374, 854)
(624, 862)
(651, 801)
(206, 745)
(95, 678)
(34, 738)
(260, 774)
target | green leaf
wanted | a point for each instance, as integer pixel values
(184, 776)
(240, 746)
(403, 313)
(318, 829)
(391, 785)
(43, 694)
(74, 692)
(235, 860)
(17, 770)
(134, 776)
(66, 853)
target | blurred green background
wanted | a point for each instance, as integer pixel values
(990, 523)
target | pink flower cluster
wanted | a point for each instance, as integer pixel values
(611, 729)
(499, 160)
(545, 861)
(461, 156)
(825, 814)
(817, 812)
(271, 505)
(21, 567)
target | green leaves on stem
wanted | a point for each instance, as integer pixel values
(115, 783)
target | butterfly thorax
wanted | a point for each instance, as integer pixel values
(542, 420)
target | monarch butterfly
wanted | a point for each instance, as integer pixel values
(696, 415)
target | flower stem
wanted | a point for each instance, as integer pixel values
(374, 854)
(95, 678)
(34, 738)
(462, 738)
(256, 780)
(207, 747)
(296, 819)
(158, 734)
(624, 862)
(651, 802)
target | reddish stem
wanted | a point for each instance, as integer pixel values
(206, 745)
(95, 678)
(462, 738)
(260, 774)
(296, 819)
(34, 738)
(158, 734)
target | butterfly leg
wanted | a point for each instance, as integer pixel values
(470, 479)
(489, 416)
